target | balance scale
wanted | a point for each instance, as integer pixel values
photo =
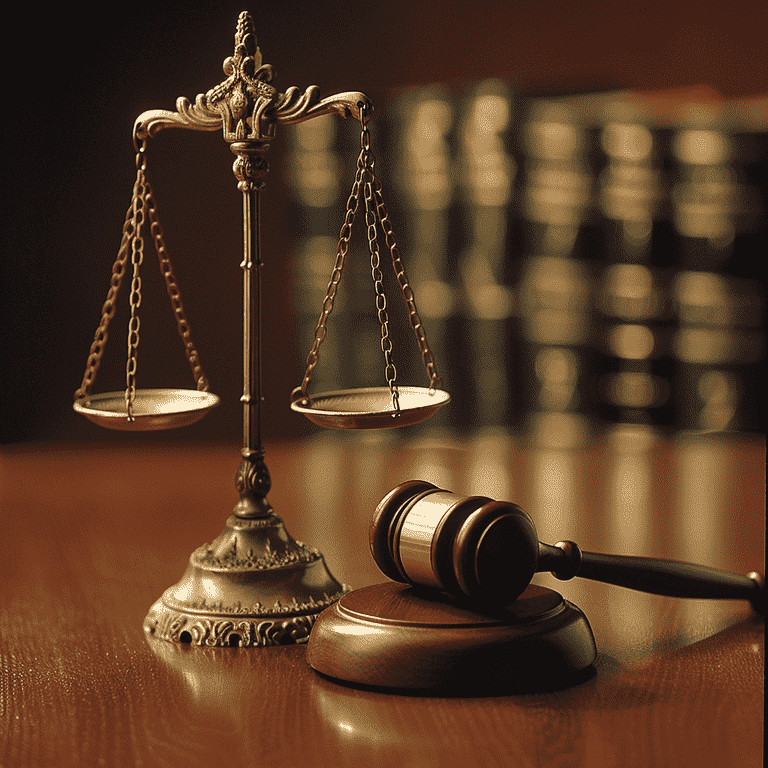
(254, 585)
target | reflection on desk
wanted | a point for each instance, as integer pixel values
(91, 536)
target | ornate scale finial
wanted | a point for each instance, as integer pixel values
(245, 105)
(243, 97)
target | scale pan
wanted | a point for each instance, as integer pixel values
(153, 409)
(371, 408)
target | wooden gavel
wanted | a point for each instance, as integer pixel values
(488, 551)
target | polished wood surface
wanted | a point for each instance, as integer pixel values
(91, 535)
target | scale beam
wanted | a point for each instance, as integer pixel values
(288, 108)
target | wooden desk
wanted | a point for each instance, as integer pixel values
(92, 535)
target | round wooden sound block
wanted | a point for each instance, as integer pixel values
(392, 635)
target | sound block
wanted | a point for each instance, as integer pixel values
(395, 636)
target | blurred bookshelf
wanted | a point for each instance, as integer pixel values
(580, 260)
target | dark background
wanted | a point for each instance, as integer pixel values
(75, 81)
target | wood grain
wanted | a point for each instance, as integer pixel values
(92, 535)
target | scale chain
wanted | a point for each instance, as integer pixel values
(132, 243)
(172, 287)
(345, 235)
(390, 372)
(137, 258)
(368, 161)
(367, 184)
(397, 262)
(108, 309)
(402, 279)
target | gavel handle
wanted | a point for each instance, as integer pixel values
(660, 577)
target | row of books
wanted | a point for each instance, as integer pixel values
(582, 259)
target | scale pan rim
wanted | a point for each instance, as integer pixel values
(107, 409)
(416, 405)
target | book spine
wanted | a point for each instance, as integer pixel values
(718, 342)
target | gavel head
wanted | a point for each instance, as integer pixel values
(470, 546)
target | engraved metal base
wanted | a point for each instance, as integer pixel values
(253, 586)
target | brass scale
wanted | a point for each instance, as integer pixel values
(254, 585)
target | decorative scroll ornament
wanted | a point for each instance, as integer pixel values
(196, 630)
(244, 96)
(253, 483)
(245, 105)
(255, 585)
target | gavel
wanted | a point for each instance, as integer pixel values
(487, 551)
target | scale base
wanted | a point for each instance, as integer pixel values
(253, 586)
(394, 637)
